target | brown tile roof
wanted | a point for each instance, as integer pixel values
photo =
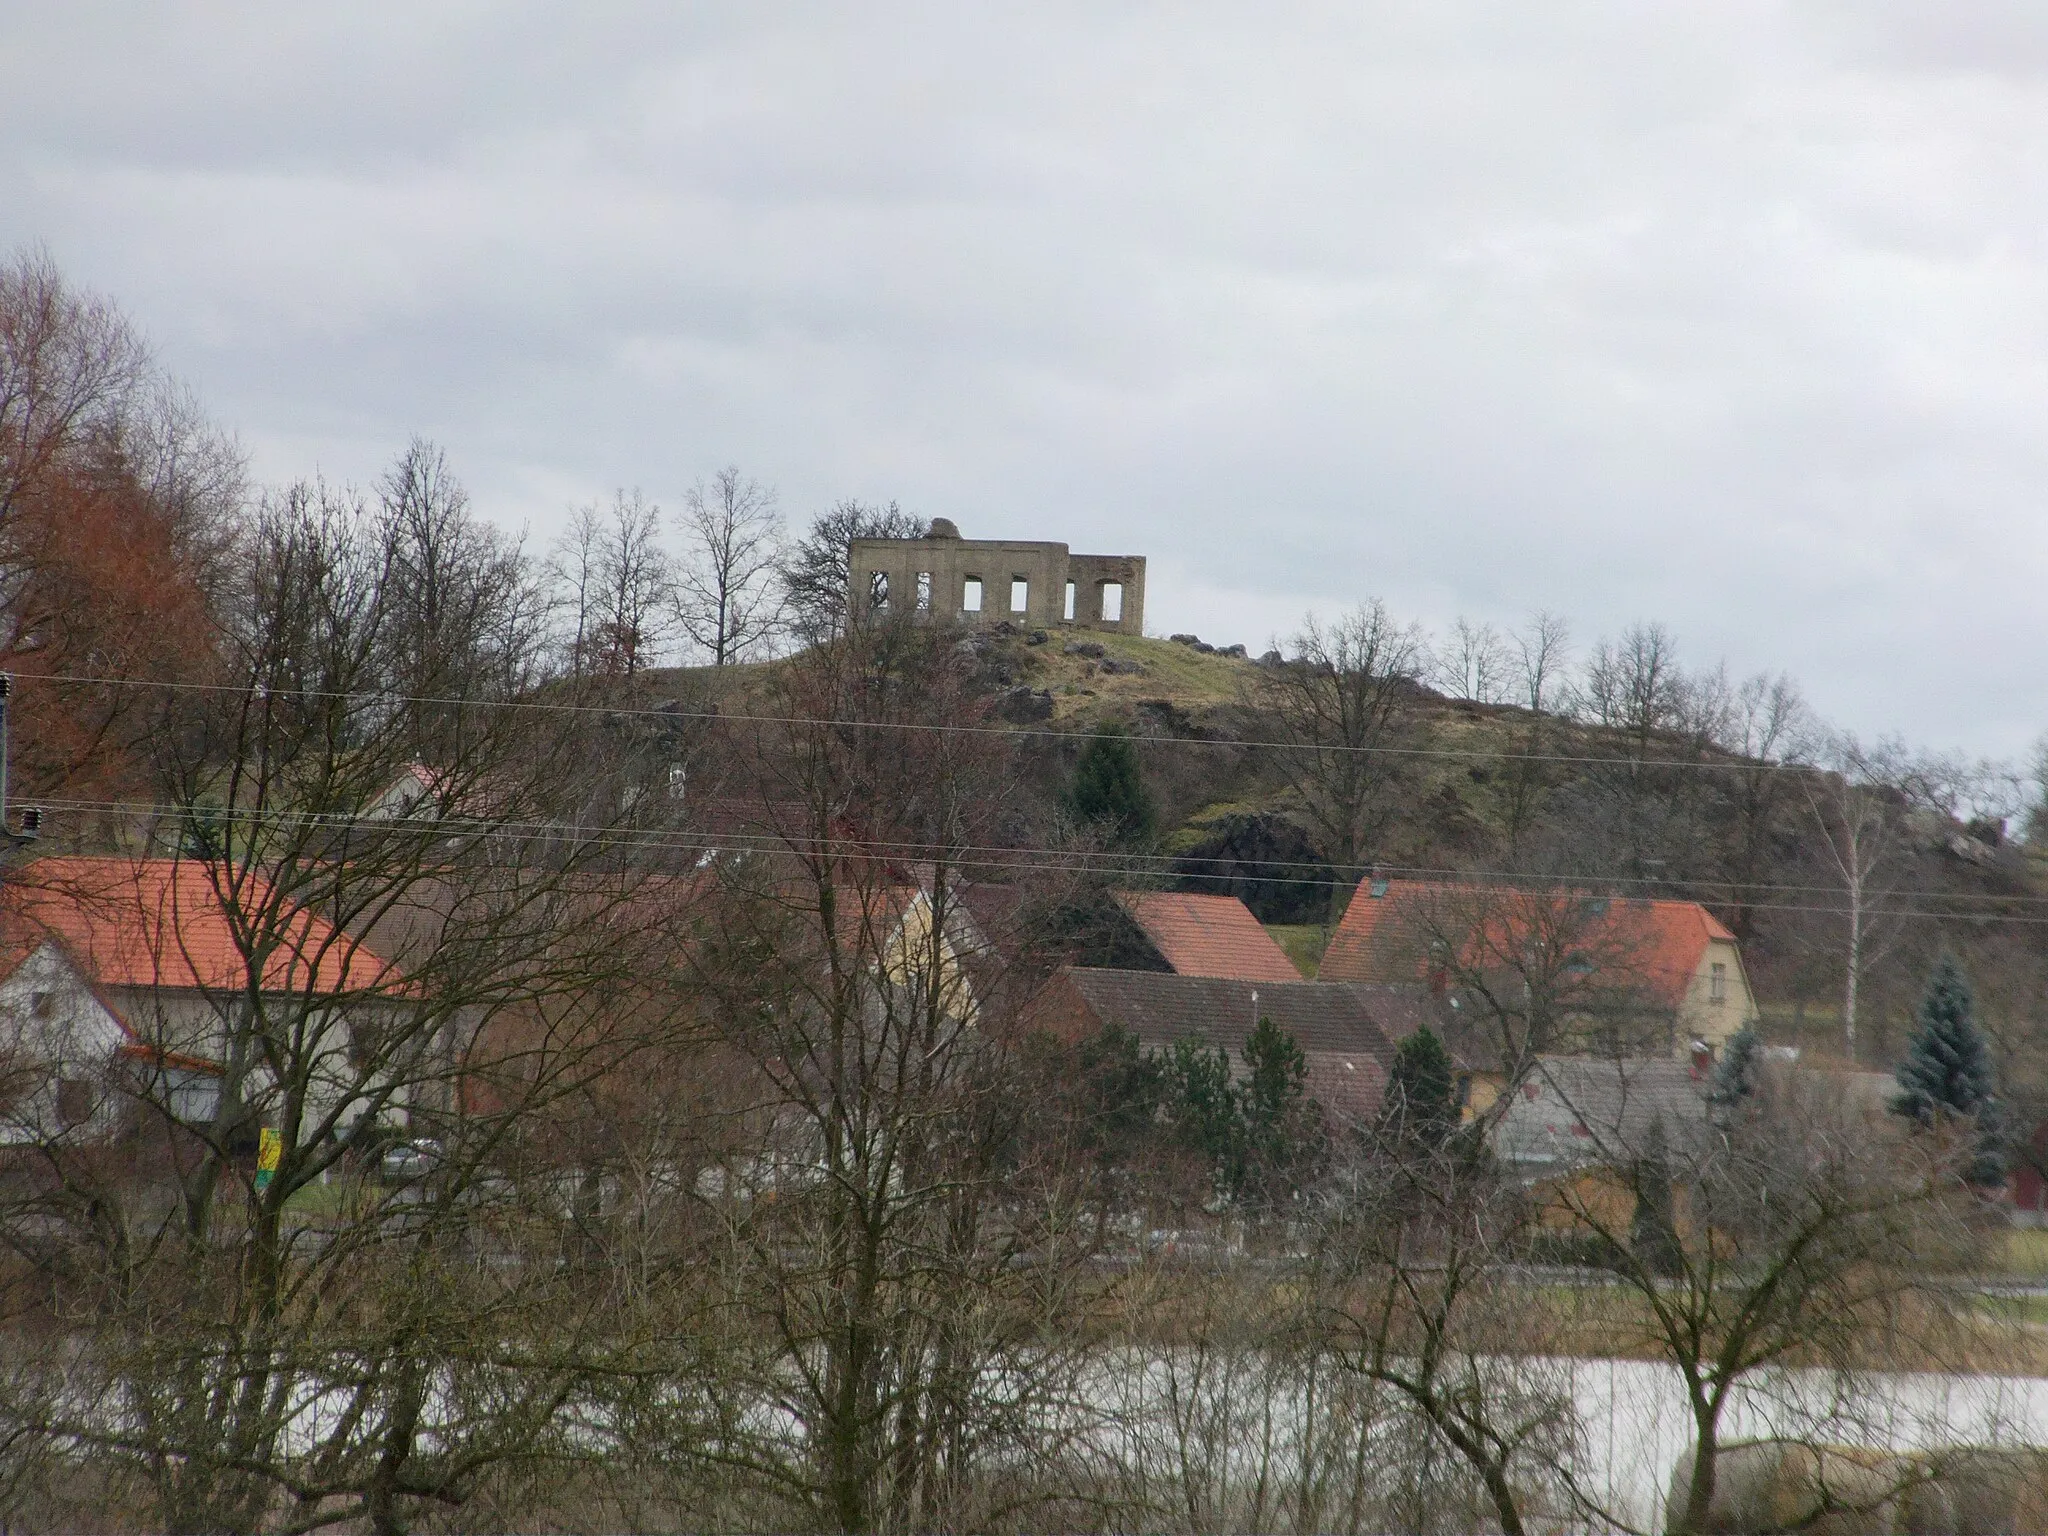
(161, 923)
(1347, 1051)
(1384, 937)
(1208, 936)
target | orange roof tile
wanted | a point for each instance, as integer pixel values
(161, 923)
(1208, 936)
(1661, 941)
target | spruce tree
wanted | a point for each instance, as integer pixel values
(1734, 1082)
(1422, 1092)
(1653, 1231)
(1109, 789)
(1946, 1075)
(1278, 1136)
(1205, 1111)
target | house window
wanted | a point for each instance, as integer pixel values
(1073, 591)
(924, 591)
(878, 589)
(1717, 984)
(1112, 602)
(1020, 594)
(970, 596)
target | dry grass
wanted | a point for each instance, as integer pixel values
(1304, 944)
(1176, 674)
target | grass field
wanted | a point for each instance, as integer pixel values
(1304, 943)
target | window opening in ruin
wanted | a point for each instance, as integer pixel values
(1112, 602)
(970, 596)
(1020, 594)
(924, 591)
(1073, 590)
(42, 1005)
(878, 589)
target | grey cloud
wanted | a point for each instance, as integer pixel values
(1730, 315)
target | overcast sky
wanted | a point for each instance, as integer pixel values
(1728, 314)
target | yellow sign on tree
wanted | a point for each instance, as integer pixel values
(269, 1148)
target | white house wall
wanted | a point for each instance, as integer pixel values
(55, 1032)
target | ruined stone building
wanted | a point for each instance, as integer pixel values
(981, 581)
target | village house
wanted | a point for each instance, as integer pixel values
(1347, 1034)
(1672, 964)
(123, 980)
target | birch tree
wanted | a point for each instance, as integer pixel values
(1857, 805)
(725, 586)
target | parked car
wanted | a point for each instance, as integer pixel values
(407, 1162)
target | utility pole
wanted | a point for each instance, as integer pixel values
(12, 840)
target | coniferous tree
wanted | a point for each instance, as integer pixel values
(1109, 788)
(1422, 1092)
(1947, 1076)
(1277, 1137)
(1734, 1082)
(1203, 1109)
(1653, 1231)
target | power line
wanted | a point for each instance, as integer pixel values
(997, 858)
(1731, 764)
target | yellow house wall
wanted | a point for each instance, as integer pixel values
(1699, 1016)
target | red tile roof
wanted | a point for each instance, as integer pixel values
(1208, 936)
(161, 923)
(1384, 937)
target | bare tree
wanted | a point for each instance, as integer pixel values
(329, 982)
(1543, 651)
(1526, 972)
(1858, 805)
(814, 569)
(1766, 728)
(1343, 706)
(1416, 1268)
(1474, 662)
(465, 609)
(71, 369)
(616, 582)
(1783, 1224)
(1522, 781)
(725, 587)
(1641, 808)
(573, 568)
(902, 1222)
